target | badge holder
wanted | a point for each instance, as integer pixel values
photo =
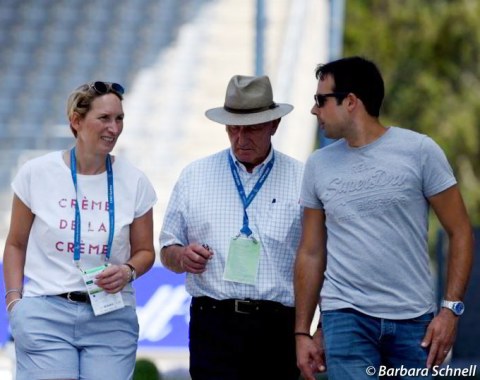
(244, 250)
(242, 261)
(101, 301)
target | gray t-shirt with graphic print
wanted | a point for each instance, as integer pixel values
(375, 202)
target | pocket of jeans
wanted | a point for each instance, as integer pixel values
(14, 307)
(423, 319)
(13, 316)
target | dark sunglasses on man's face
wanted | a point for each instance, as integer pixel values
(321, 99)
(105, 87)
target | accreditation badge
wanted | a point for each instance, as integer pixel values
(101, 301)
(242, 260)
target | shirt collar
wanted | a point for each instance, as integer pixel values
(256, 168)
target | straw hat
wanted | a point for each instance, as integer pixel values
(248, 100)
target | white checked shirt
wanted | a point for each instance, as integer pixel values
(206, 208)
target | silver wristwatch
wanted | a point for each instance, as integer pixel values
(133, 272)
(457, 307)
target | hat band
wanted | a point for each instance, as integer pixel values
(250, 110)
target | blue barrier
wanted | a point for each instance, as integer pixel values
(162, 307)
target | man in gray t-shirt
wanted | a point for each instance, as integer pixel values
(364, 244)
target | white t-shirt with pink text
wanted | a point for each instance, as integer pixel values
(45, 185)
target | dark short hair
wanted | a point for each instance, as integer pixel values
(359, 76)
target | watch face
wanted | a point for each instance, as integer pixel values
(458, 308)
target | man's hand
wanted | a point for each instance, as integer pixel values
(194, 258)
(440, 336)
(310, 355)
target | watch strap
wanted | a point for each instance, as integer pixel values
(133, 272)
(452, 305)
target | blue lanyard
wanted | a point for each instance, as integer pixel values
(241, 191)
(111, 207)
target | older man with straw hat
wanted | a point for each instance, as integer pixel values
(233, 225)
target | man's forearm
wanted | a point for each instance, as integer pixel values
(460, 261)
(170, 257)
(307, 283)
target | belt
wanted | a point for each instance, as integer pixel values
(241, 306)
(75, 297)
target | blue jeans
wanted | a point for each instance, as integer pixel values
(58, 339)
(358, 346)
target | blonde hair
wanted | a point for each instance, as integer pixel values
(80, 101)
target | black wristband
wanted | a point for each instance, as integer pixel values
(302, 333)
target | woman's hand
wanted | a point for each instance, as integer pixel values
(114, 278)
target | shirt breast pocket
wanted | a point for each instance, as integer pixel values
(281, 220)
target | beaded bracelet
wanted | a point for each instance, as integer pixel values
(13, 290)
(299, 333)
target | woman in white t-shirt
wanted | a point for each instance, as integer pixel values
(81, 231)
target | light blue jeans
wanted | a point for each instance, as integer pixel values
(360, 347)
(58, 339)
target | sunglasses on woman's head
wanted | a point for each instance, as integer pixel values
(105, 87)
